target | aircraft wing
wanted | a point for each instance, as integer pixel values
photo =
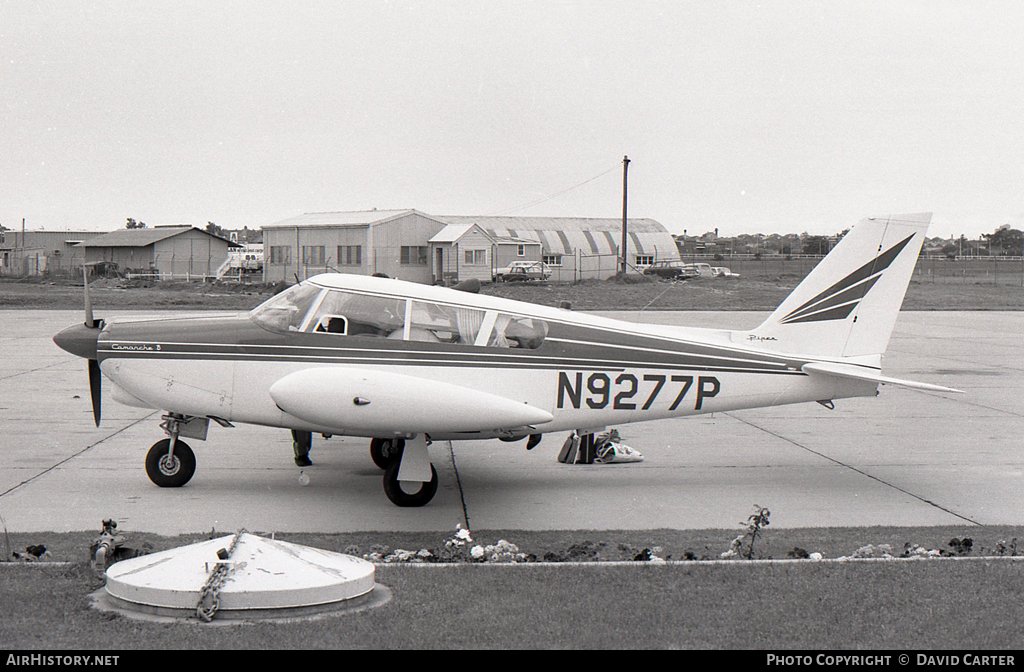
(382, 403)
(870, 375)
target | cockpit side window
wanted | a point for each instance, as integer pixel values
(350, 314)
(287, 310)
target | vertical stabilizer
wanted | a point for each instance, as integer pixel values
(847, 305)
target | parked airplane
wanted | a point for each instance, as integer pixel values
(405, 364)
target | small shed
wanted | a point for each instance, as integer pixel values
(462, 252)
(171, 252)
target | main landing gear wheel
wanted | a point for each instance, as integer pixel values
(170, 471)
(396, 492)
(385, 451)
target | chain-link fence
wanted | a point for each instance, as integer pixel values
(1007, 271)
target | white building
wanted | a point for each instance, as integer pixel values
(411, 245)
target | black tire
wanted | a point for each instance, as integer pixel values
(385, 451)
(399, 497)
(178, 472)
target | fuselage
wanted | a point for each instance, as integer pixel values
(580, 370)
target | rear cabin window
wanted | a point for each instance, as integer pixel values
(517, 332)
(435, 322)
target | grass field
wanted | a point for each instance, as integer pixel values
(963, 602)
(894, 605)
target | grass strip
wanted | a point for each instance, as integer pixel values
(921, 604)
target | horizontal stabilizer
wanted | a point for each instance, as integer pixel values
(869, 375)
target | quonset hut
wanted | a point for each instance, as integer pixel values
(577, 248)
(411, 245)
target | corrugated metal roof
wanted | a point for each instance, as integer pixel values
(518, 224)
(589, 235)
(517, 241)
(137, 237)
(353, 218)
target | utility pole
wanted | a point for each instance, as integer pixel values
(625, 169)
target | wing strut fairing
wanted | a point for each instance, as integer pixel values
(382, 403)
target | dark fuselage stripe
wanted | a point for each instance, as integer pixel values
(601, 352)
(417, 359)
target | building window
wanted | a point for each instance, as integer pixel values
(280, 254)
(414, 256)
(350, 255)
(521, 250)
(312, 255)
(552, 259)
(476, 257)
(644, 259)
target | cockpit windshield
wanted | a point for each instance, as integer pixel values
(287, 310)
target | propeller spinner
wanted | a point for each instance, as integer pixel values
(81, 340)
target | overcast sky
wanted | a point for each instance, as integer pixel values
(743, 116)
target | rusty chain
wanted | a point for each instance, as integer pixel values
(211, 590)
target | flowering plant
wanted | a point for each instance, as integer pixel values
(503, 551)
(455, 549)
(755, 523)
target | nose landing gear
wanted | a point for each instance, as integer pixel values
(171, 463)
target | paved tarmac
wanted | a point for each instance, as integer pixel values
(905, 458)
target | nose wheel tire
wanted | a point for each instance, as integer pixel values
(399, 492)
(385, 451)
(170, 471)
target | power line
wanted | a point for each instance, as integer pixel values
(548, 198)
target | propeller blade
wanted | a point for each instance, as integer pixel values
(94, 389)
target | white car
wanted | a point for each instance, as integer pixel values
(723, 272)
(519, 271)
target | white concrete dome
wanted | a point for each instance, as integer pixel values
(264, 574)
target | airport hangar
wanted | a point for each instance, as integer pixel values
(25, 253)
(170, 251)
(173, 251)
(411, 245)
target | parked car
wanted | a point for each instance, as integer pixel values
(701, 269)
(723, 272)
(519, 271)
(671, 270)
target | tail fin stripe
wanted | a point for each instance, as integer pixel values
(851, 295)
(873, 267)
(837, 313)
